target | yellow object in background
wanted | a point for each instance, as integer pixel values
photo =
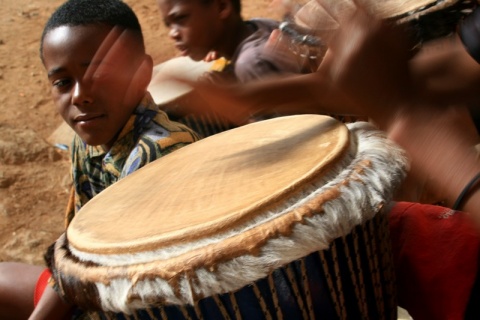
(219, 64)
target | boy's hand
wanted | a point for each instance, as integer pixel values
(211, 56)
(368, 61)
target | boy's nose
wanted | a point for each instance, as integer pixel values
(81, 94)
(174, 33)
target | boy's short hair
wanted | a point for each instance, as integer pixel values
(85, 12)
(236, 4)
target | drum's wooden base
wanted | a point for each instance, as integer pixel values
(354, 279)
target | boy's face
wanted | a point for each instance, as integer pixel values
(91, 69)
(194, 26)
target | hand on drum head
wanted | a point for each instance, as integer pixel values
(368, 61)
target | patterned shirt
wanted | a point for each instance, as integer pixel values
(147, 136)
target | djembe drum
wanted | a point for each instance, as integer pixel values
(279, 219)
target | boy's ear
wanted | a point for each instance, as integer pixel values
(148, 66)
(225, 8)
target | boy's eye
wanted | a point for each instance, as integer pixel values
(61, 84)
(179, 19)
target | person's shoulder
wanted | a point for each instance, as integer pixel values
(161, 137)
(165, 133)
(154, 132)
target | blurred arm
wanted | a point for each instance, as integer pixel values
(51, 307)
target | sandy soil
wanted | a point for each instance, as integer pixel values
(34, 175)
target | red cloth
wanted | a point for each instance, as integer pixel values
(42, 283)
(436, 254)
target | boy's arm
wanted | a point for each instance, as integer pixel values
(51, 307)
(308, 93)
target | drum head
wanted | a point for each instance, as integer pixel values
(163, 89)
(210, 186)
(324, 15)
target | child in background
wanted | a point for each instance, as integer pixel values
(215, 29)
(202, 27)
(94, 55)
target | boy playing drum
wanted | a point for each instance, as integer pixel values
(94, 55)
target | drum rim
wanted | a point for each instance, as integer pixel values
(410, 7)
(403, 10)
(399, 6)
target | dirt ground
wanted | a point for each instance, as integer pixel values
(34, 175)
